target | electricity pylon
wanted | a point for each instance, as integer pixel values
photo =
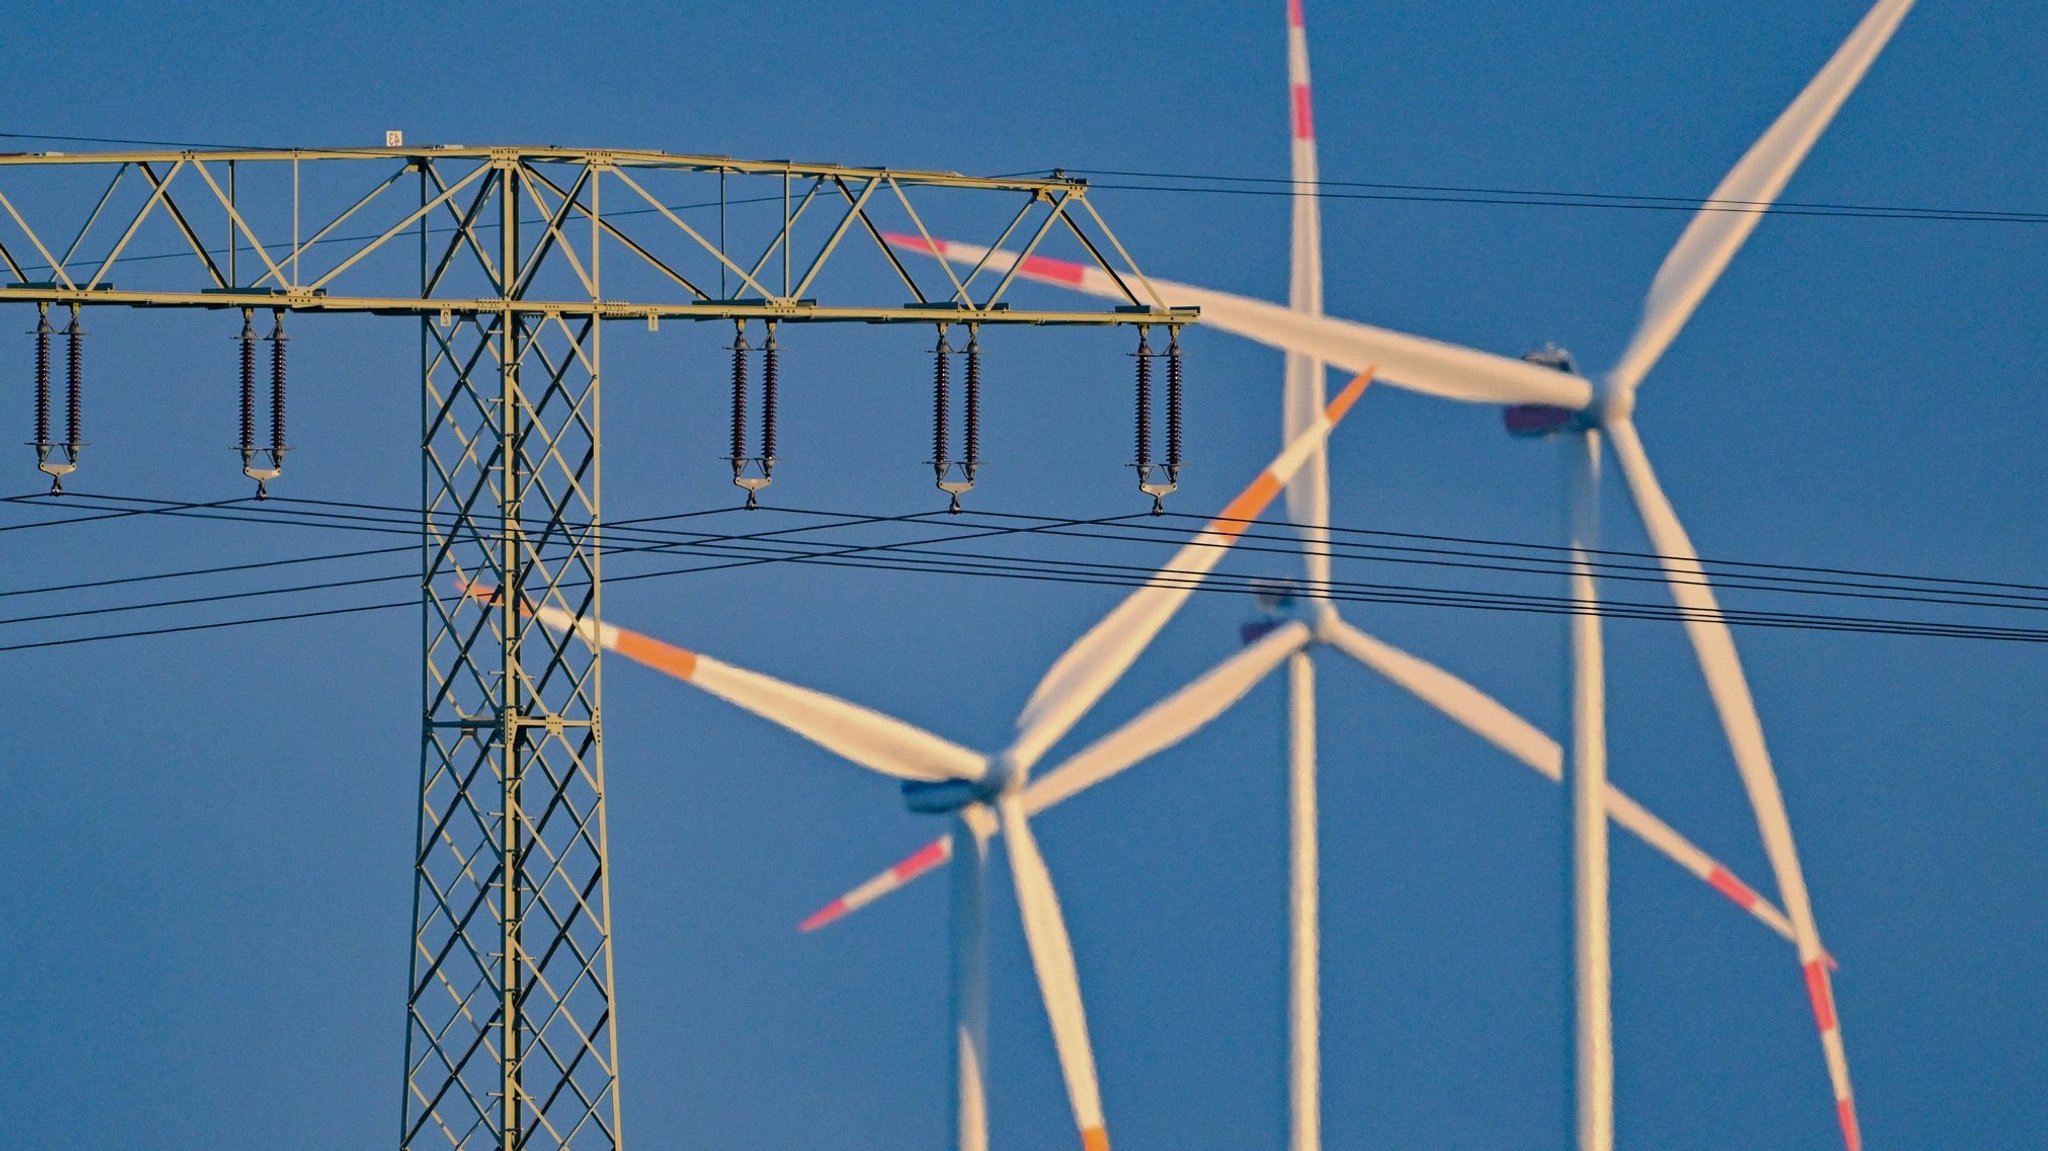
(511, 264)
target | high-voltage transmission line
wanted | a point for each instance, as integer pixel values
(509, 262)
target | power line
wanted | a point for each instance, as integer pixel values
(700, 542)
(195, 572)
(208, 626)
(653, 539)
(1334, 190)
(1225, 584)
(921, 556)
(1743, 575)
(208, 145)
(1686, 201)
(1289, 532)
(1341, 190)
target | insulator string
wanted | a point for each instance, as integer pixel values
(973, 430)
(277, 380)
(74, 383)
(42, 381)
(248, 386)
(739, 397)
(1173, 381)
(941, 367)
(770, 376)
(1144, 421)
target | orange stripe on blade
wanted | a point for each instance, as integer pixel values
(1094, 1139)
(655, 654)
(1234, 519)
(1237, 516)
(1349, 396)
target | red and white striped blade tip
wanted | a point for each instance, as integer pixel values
(1032, 267)
(1823, 999)
(924, 859)
(1745, 897)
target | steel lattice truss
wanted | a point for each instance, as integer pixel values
(616, 233)
(510, 260)
(510, 1039)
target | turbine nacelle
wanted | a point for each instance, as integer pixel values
(1279, 603)
(1610, 402)
(946, 796)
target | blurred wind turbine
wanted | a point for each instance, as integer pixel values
(1549, 398)
(942, 777)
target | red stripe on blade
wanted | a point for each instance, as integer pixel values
(1845, 1110)
(1817, 990)
(929, 856)
(1732, 887)
(1304, 123)
(1061, 270)
(1294, 13)
(823, 916)
(915, 243)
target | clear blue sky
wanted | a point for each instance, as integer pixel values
(206, 838)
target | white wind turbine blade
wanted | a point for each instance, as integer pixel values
(1308, 505)
(1052, 957)
(1485, 717)
(926, 858)
(1308, 497)
(1712, 238)
(1412, 362)
(930, 857)
(1480, 712)
(1158, 727)
(1167, 722)
(1466, 705)
(1631, 815)
(1585, 782)
(1304, 914)
(1100, 657)
(970, 987)
(1714, 644)
(869, 738)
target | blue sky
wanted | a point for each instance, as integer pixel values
(207, 837)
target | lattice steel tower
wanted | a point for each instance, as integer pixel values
(511, 266)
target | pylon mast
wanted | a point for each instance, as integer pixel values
(511, 260)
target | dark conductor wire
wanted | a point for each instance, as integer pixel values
(1279, 536)
(1038, 573)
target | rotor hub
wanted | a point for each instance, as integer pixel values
(1539, 421)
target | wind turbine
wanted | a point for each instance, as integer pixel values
(942, 777)
(1308, 507)
(1550, 399)
(1179, 715)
